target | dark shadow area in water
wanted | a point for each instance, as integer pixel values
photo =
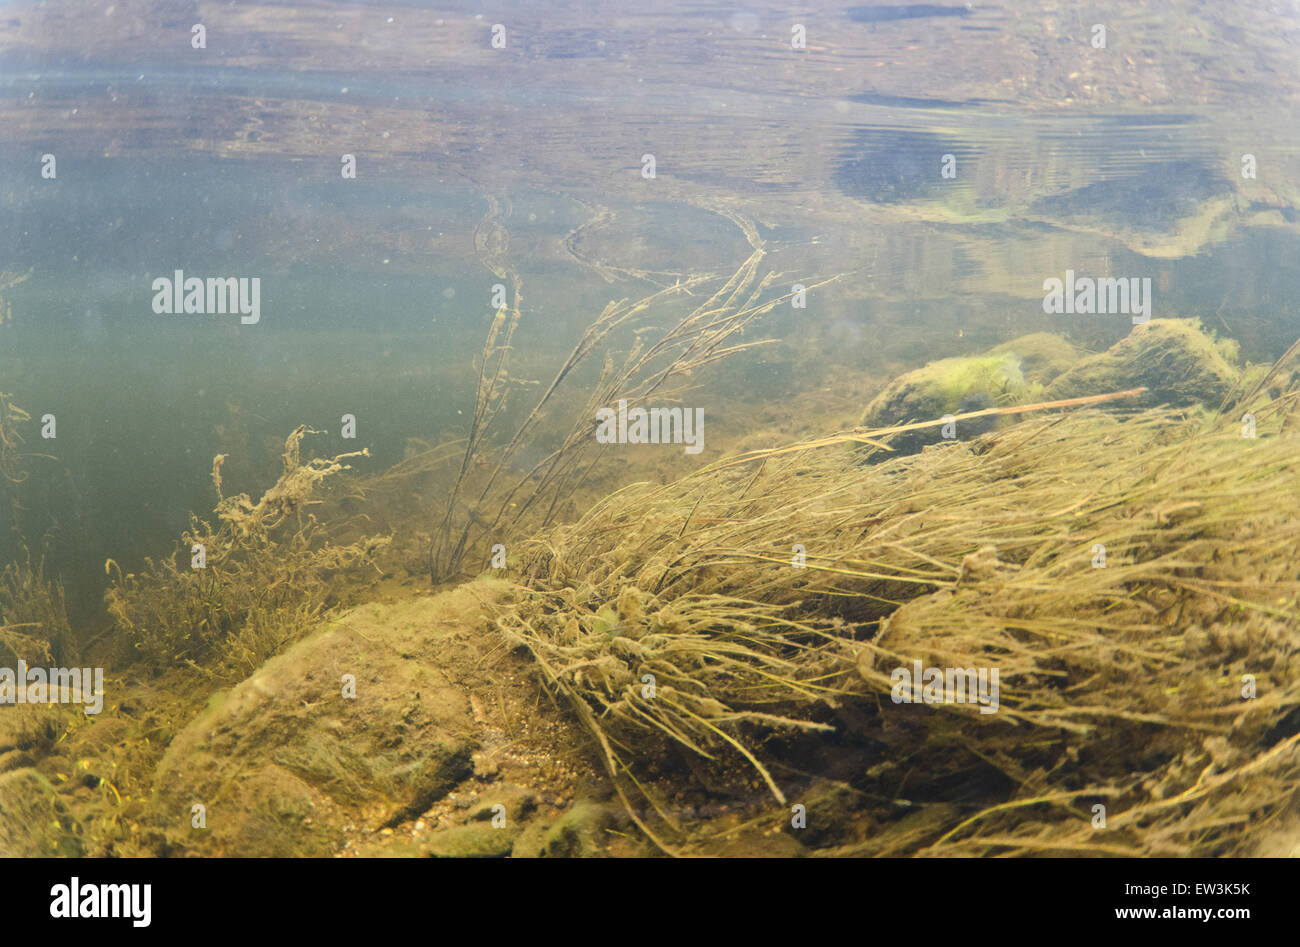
(889, 166)
(1151, 199)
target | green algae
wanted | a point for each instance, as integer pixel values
(946, 387)
(1175, 359)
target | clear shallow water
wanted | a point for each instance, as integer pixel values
(375, 294)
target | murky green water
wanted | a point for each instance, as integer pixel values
(1124, 160)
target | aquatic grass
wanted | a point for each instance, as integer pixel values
(33, 606)
(1120, 683)
(11, 441)
(34, 623)
(506, 498)
(13, 472)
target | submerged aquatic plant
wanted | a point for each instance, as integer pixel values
(269, 570)
(505, 497)
(9, 280)
(1121, 676)
(33, 607)
(12, 473)
(34, 622)
(10, 440)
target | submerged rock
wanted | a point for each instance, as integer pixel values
(1043, 355)
(1176, 359)
(948, 386)
(476, 840)
(576, 833)
(287, 760)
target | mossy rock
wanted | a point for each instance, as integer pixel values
(1043, 356)
(476, 840)
(1175, 359)
(518, 802)
(949, 386)
(285, 761)
(757, 845)
(572, 835)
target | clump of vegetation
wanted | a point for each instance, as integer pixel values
(1124, 574)
(269, 569)
(34, 617)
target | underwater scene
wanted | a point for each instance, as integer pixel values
(570, 429)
